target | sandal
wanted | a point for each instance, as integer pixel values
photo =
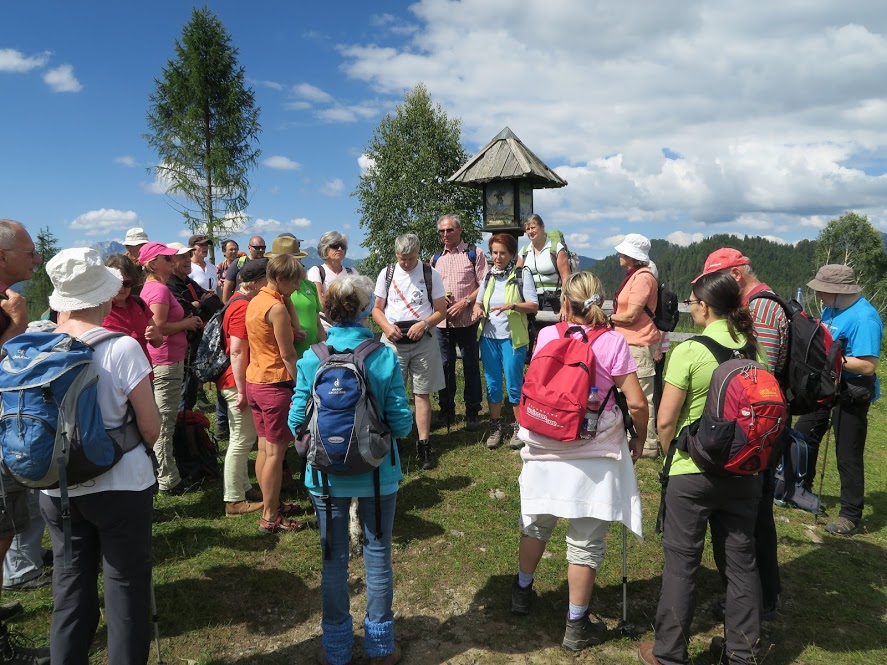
(281, 525)
(288, 509)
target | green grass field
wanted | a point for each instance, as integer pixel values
(228, 595)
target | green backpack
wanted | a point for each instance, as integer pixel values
(556, 236)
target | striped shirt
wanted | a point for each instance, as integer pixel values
(771, 327)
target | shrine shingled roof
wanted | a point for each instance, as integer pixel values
(506, 158)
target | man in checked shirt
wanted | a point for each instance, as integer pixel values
(463, 268)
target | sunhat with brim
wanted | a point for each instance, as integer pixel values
(286, 245)
(721, 259)
(152, 250)
(835, 278)
(179, 247)
(635, 246)
(80, 280)
(135, 236)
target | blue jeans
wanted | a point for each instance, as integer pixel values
(336, 619)
(499, 356)
(24, 560)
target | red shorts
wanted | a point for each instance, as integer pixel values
(270, 403)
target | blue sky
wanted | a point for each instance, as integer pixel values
(674, 119)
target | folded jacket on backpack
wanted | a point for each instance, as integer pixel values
(607, 443)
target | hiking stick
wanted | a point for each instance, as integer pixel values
(828, 434)
(155, 621)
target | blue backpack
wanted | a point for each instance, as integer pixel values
(346, 434)
(51, 429)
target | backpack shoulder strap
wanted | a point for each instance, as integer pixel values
(426, 273)
(321, 350)
(434, 259)
(472, 254)
(769, 295)
(519, 280)
(96, 336)
(389, 278)
(365, 349)
(722, 353)
(322, 272)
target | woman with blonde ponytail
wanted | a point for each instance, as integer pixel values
(590, 482)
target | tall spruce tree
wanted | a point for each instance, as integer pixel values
(39, 287)
(204, 124)
(413, 152)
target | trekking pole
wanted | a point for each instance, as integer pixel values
(154, 620)
(625, 628)
(825, 454)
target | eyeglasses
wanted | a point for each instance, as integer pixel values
(690, 301)
(30, 252)
(337, 245)
(166, 258)
(445, 231)
(259, 247)
(128, 284)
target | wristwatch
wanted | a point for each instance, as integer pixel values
(468, 301)
(427, 326)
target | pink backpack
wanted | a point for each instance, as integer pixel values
(555, 391)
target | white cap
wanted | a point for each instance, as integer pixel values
(135, 236)
(635, 246)
(81, 280)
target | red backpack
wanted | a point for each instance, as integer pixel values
(745, 412)
(555, 391)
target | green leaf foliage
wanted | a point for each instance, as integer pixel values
(38, 288)
(783, 267)
(414, 151)
(203, 125)
(853, 240)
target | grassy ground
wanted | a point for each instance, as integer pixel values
(228, 595)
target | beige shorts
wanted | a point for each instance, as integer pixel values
(422, 362)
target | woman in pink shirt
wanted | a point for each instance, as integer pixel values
(168, 359)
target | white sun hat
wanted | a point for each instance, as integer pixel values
(179, 247)
(80, 280)
(635, 246)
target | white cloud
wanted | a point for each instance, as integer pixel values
(104, 220)
(312, 93)
(160, 185)
(282, 163)
(300, 222)
(126, 160)
(17, 62)
(766, 105)
(333, 187)
(62, 79)
(351, 113)
(261, 225)
(297, 106)
(612, 241)
(683, 238)
(365, 163)
(576, 241)
(273, 85)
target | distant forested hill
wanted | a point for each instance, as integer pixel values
(783, 267)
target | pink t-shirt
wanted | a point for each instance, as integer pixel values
(611, 355)
(174, 346)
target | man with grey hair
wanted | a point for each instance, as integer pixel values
(410, 302)
(18, 259)
(256, 250)
(462, 268)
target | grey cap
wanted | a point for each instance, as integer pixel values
(835, 278)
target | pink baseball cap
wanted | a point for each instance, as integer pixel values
(152, 250)
(721, 259)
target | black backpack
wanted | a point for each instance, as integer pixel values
(812, 373)
(211, 360)
(790, 479)
(666, 316)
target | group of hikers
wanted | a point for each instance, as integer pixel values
(303, 367)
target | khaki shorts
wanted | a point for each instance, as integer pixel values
(422, 362)
(14, 516)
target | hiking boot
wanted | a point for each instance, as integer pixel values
(178, 490)
(515, 443)
(472, 422)
(494, 440)
(235, 508)
(11, 611)
(14, 652)
(521, 598)
(443, 418)
(650, 452)
(426, 457)
(391, 659)
(645, 654)
(42, 580)
(582, 633)
(843, 526)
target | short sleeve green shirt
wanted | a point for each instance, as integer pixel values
(690, 367)
(307, 303)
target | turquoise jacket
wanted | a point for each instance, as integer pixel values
(386, 382)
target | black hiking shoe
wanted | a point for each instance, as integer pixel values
(11, 611)
(521, 598)
(14, 652)
(427, 460)
(494, 440)
(583, 633)
(472, 422)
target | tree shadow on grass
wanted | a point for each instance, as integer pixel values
(417, 495)
(189, 541)
(217, 599)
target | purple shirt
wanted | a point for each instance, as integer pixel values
(174, 346)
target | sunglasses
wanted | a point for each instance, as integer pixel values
(445, 231)
(337, 245)
(261, 247)
(128, 284)
(690, 301)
